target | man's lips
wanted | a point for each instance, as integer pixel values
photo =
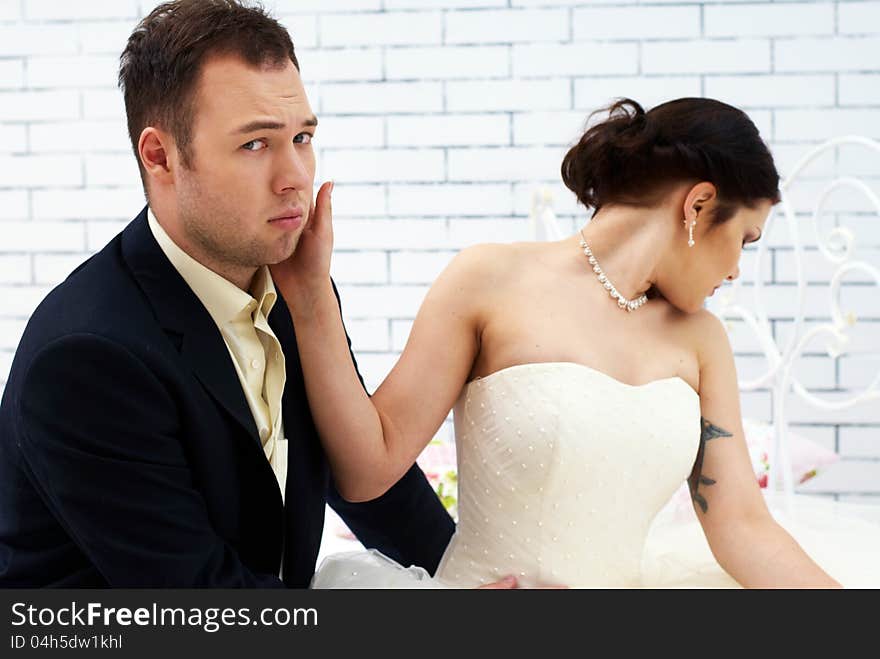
(291, 219)
(287, 215)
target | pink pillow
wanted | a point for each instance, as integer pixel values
(807, 457)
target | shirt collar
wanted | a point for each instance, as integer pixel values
(224, 300)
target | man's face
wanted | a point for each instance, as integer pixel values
(248, 194)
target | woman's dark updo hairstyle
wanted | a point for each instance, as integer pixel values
(633, 156)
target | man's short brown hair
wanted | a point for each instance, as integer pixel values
(160, 66)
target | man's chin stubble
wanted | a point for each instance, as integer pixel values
(286, 253)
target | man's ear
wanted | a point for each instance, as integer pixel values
(157, 152)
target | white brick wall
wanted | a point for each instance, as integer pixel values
(368, 335)
(79, 136)
(859, 18)
(43, 237)
(381, 98)
(438, 119)
(804, 125)
(52, 268)
(703, 56)
(53, 10)
(10, 10)
(103, 104)
(830, 54)
(562, 128)
(504, 164)
(35, 171)
(574, 59)
(385, 165)
(418, 267)
(103, 37)
(769, 91)
(360, 267)
(26, 39)
(449, 130)
(358, 201)
(767, 20)
(858, 441)
(94, 203)
(38, 105)
(346, 64)
(13, 204)
(592, 93)
(637, 23)
(507, 26)
(386, 28)
(78, 72)
(328, 6)
(507, 95)
(449, 199)
(15, 269)
(860, 89)
(11, 73)
(447, 62)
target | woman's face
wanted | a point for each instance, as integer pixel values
(694, 273)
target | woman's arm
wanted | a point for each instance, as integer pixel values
(371, 442)
(745, 539)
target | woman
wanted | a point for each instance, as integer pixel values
(587, 380)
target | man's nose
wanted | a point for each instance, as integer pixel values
(292, 171)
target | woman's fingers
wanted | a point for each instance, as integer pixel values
(322, 214)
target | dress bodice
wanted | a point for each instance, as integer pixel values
(561, 470)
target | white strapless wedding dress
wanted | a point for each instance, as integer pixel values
(562, 471)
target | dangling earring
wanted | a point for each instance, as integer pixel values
(690, 229)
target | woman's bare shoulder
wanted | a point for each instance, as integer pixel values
(701, 338)
(499, 252)
(706, 333)
(490, 263)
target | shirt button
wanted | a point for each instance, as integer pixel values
(255, 363)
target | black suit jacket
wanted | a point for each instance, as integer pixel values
(129, 456)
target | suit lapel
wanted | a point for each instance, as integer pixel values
(207, 354)
(294, 404)
(181, 313)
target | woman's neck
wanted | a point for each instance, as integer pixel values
(628, 244)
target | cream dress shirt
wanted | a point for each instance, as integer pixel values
(242, 319)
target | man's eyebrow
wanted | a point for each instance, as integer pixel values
(261, 124)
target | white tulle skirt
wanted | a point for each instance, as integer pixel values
(843, 538)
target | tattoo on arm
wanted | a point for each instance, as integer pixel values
(708, 431)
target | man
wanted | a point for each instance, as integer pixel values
(154, 430)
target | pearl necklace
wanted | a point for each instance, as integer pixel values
(622, 302)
